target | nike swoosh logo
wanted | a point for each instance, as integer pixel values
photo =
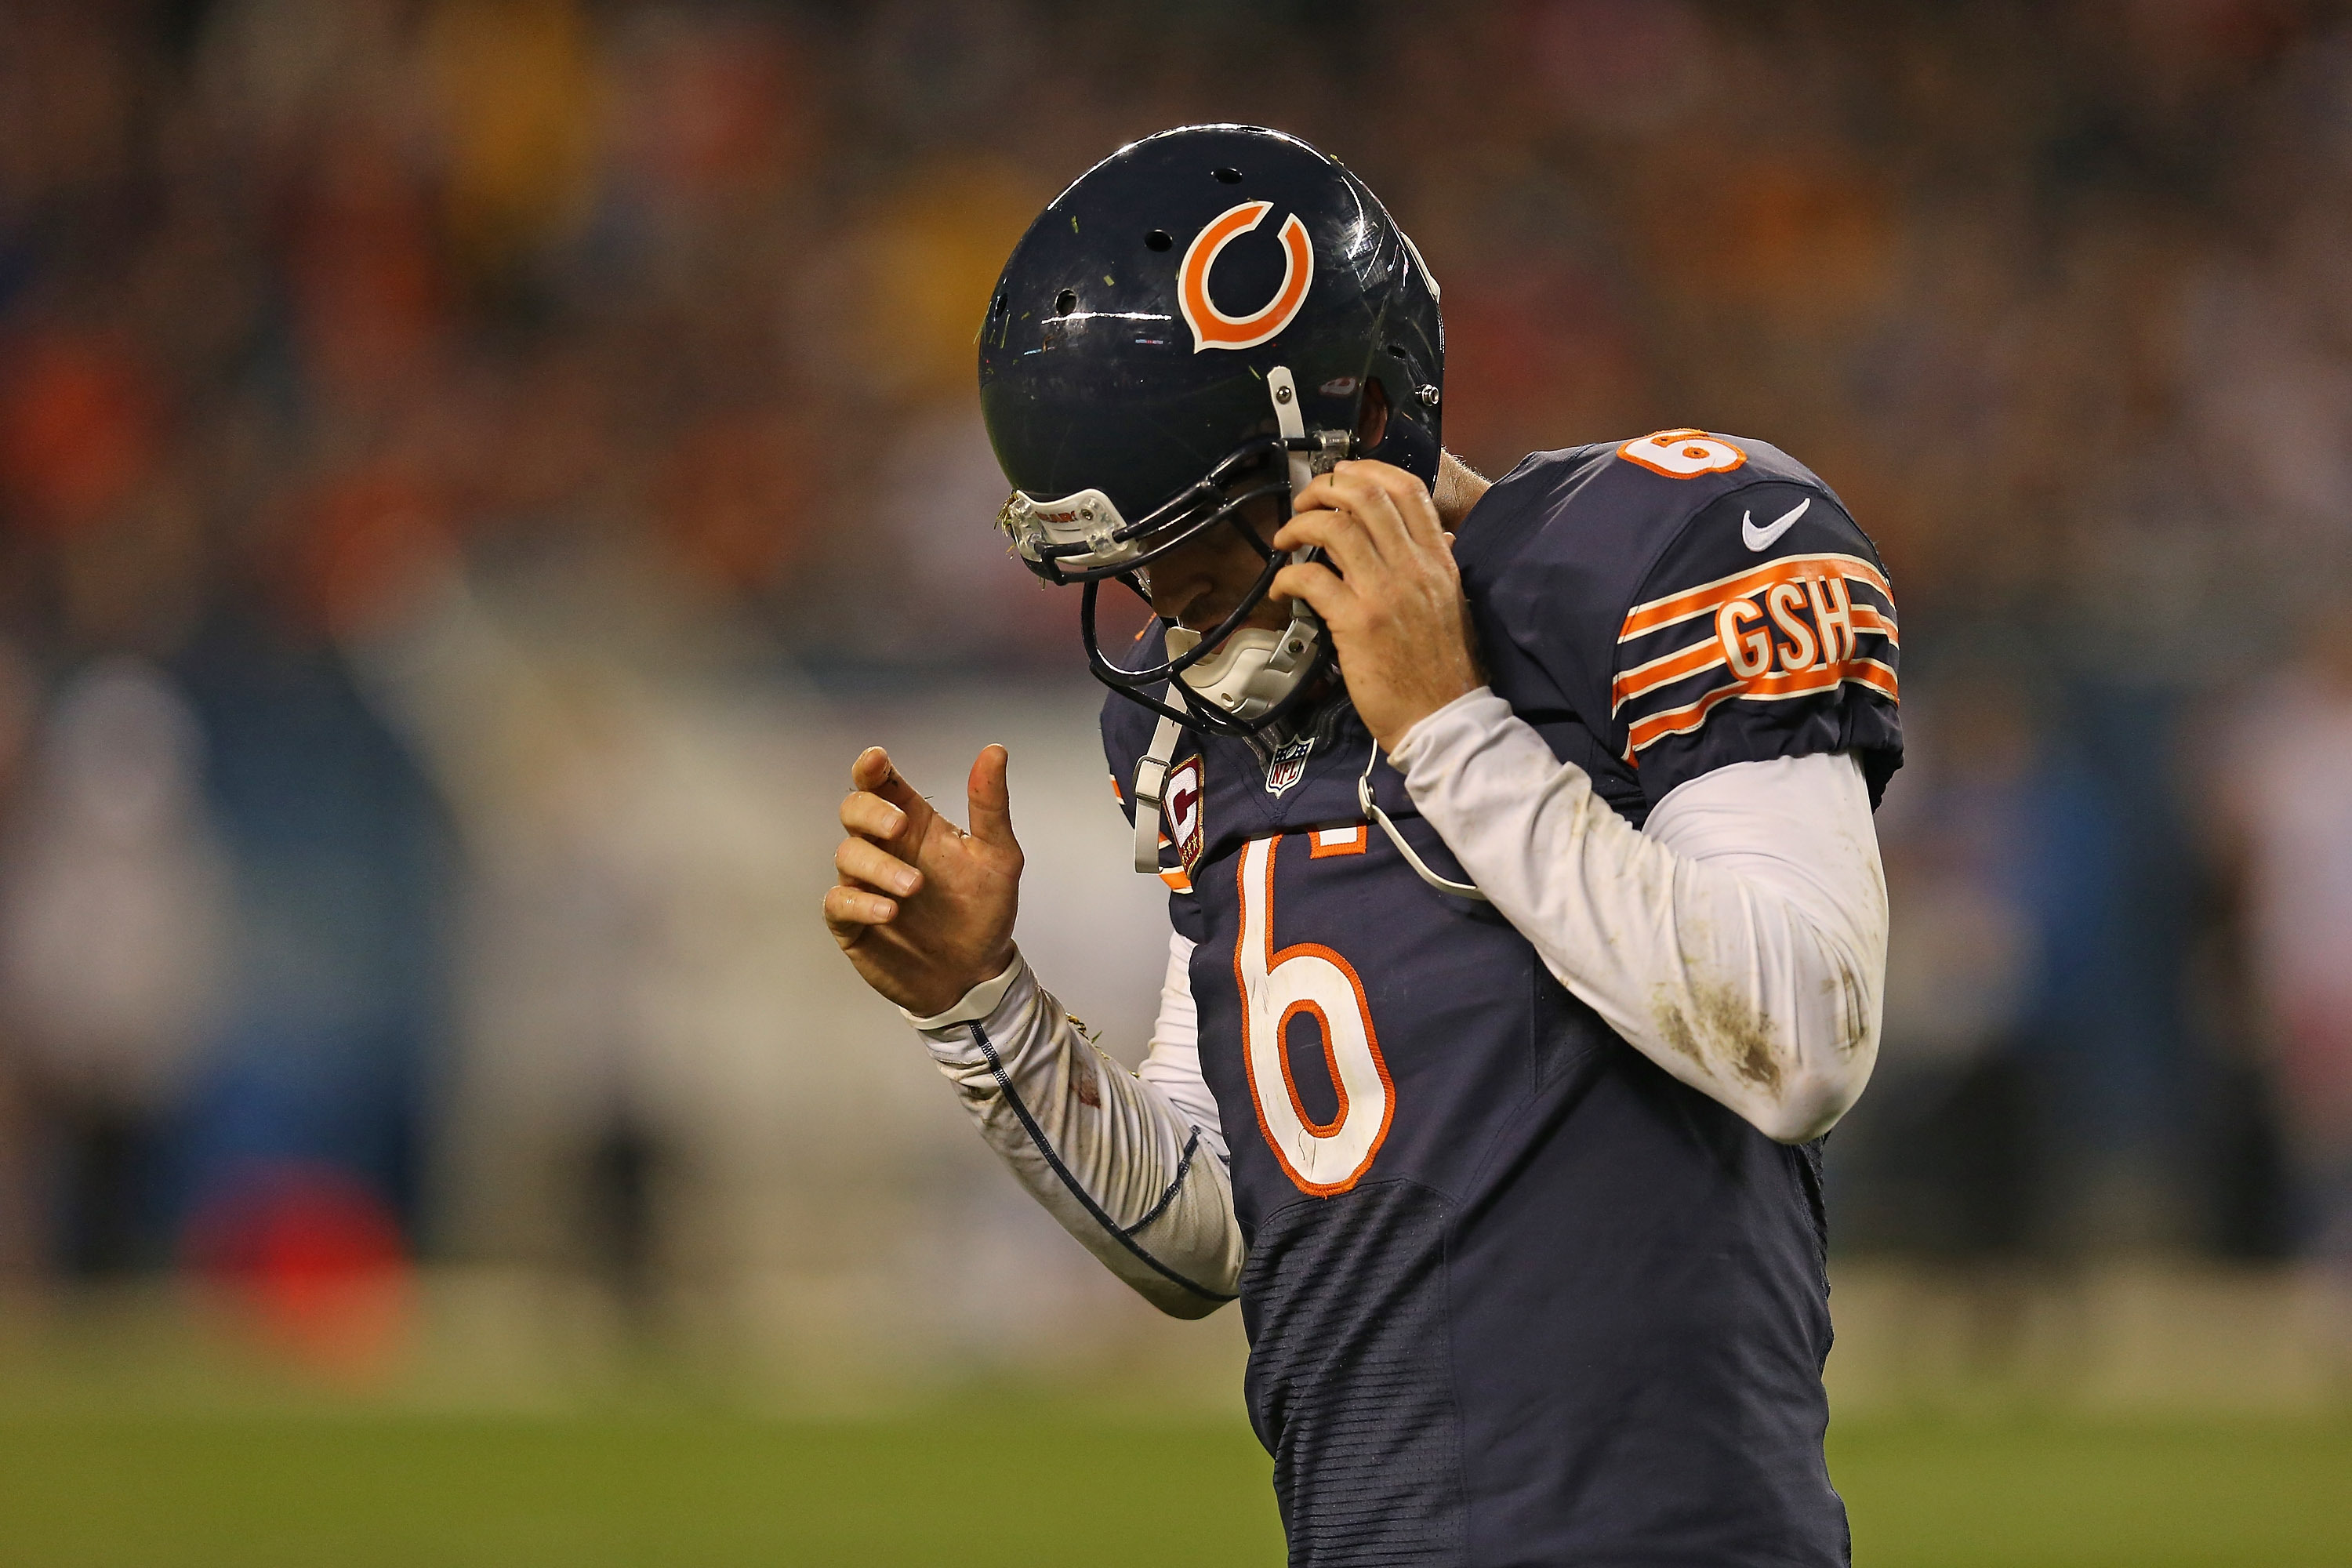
(1762, 538)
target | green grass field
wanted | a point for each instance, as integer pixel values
(1037, 1486)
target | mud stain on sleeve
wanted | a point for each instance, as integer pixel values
(1720, 1030)
(1676, 1030)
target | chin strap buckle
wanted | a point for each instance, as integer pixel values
(1151, 778)
(1332, 447)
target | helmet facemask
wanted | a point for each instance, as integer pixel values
(1233, 678)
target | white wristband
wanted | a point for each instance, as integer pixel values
(977, 1002)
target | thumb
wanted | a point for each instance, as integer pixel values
(991, 801)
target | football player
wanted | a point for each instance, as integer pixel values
(1529, 926)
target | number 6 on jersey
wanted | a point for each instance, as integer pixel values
(1322, 1158)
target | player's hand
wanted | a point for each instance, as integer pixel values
(923, 909)
(1394, 607)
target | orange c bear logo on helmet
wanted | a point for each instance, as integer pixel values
(1212, 328)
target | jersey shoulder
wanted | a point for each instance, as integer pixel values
(1641, 574)
(1594, 519)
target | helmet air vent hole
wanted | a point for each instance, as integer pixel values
(998, 307)
(1227, 176)
(1065, 301)
(1158, 239)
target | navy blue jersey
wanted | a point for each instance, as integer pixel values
(1515, 1295)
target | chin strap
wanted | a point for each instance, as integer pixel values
(1289, 420)
(1373, 812)
(1151, 778)
(1294, 649)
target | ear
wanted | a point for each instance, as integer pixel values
(1371, 418)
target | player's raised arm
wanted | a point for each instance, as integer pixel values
(925, 911)
(1740, 941)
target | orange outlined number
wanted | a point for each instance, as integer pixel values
(1325, 841)
(1322, 1158)
(1683, 454)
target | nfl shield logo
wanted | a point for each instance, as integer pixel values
(1288, 765)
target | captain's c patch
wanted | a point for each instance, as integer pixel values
(1185, 811)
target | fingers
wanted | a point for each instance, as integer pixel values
(1339, 535)
(859, 861)
(1373, 501)
(1340, 513)
(991, 799)
(1415, 507)
(873, 774)
(1384, 506)
(870, 816)
(850, 913)
(1324, 589)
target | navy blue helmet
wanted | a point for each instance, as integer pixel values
(1196, 322)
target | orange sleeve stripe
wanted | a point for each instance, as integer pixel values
(1680, 665)
(1681, 720)
(1176, 880)
(1710, 597)
(1675, 720)
(1868, 622)
(1705, 654)
(1875, 676)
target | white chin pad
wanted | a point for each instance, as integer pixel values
(1253, 669)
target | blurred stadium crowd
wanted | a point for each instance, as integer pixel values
(471, 470)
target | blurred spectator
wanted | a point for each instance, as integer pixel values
(115, 923)
(1949, 1155)
(25, 1229)
(77, 429)
(330, 1043)
(2289, 795)
(650, 1075)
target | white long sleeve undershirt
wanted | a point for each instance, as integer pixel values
(1132, 1166)
(1738, 939)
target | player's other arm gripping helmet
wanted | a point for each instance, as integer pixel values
(1193, 324)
